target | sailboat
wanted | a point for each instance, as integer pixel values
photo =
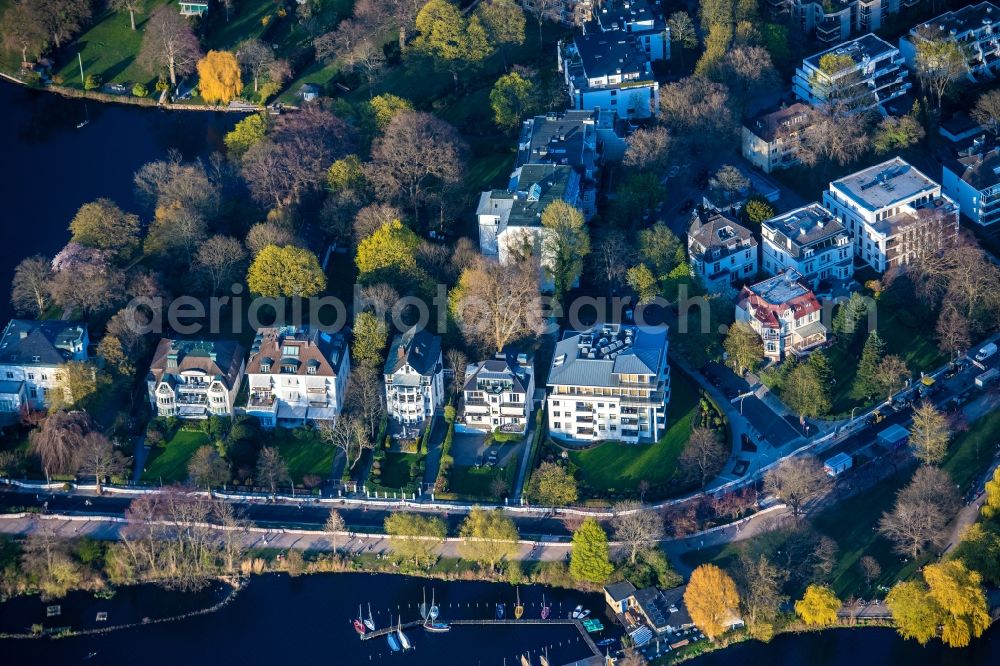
(525, 660)
(500, 611)
(359, 625)
(519, 608)
(370, 622)
(86, 121)
(423, 606)
(545, 609)
(434, 611)
(404, 642)
(392, 641)
(543, 659)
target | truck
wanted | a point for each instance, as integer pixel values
(988, 378)
(986, 351)
(838, 464)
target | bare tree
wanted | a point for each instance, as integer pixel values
(611, 258)
(748, 72)
(834, 135)
(169, 43)
(99, 458)
(870, 568)
(333, 526)
(364, 398)
(207, 469)
(921, 513)
(175, 184)
(234, 527)
(760, 584)
(21, 30)
(295, 157)
(63, 18)
(255, 57)
(220, 260)
(648, 149)
(496, 304)
(131, 6)
(635, 528)
(349, 435)
(271, 469)
(797, 480)
(263, 234)
(703, 455)
(953, 332)
(417, 154)
(698, 110)
(458, 362)
(58, 443)
(986, 112)
(373, 217)
(891, 374)
(30, 290)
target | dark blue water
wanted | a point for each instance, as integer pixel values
(49, 168)
(282, 620)
(855, 647)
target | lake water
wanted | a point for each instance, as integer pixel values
(282, 620)
(49, 168)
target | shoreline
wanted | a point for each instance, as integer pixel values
(126, 100)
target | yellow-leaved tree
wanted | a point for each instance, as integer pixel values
(950, 597)
(818, 606)
(391, 246)
(280, 272)
(992, 506)
(219, 77)
(711, 600)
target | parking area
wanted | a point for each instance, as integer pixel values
(770, 427)
(471, 450)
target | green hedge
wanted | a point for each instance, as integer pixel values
(441, 482)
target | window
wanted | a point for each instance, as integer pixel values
(31, 375)
(557, 425)
(311, 369)
(10, 375)
(34, 392)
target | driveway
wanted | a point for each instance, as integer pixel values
(770, 426)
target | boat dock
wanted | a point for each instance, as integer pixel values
(416, 623)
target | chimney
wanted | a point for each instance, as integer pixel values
(24, 334)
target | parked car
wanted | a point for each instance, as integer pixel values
(986, 351)
(875, 417)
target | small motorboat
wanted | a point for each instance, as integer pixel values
(577, 613)
(359, 627)
(604, 642)
(519, 608)
(438, 627)
(392, 641)
(370, 621)
(545, 609)
(500, 611)
(584, 614)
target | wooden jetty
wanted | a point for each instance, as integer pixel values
(552, 621)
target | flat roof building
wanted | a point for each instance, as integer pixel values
(811, 241)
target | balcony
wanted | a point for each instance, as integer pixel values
(263, 401)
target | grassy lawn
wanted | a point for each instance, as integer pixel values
(613, 467)
(478, 482)
(109, 49)
(851, 524)
(303, 452)
(971, 452)
(169, 463)
(904, 326)
(396, 468)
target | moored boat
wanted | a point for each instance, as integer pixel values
(577, 613)
(370, 621)
(519, 608)
(438, 627)
(500, 611)
(359, 627)
(392, 641)
(404, 642)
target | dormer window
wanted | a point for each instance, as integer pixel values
(265, 367)
(311, 369)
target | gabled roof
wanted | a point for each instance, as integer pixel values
(723, 232)
(324, 352)
(619, 591)
(498, 370)
(766, 301)
(768, 126)
(981, 170)
(416, 348)
(218, 359)
(31, 342)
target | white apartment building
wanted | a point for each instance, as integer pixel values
(510, 221)
(811, 241)
(785, 314)
(296, 375)
(570, 138)
(642, 19)
(611, 382)
(893, 212)
(973, 28)
(874, 76)
(772, 140)
(497, 394)
(834, 21)
(722, 253)
(972, 179)
(195, 379)
(414, 377)
(609, 70)
(32, 356)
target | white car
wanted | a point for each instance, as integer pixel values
(986, 352)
